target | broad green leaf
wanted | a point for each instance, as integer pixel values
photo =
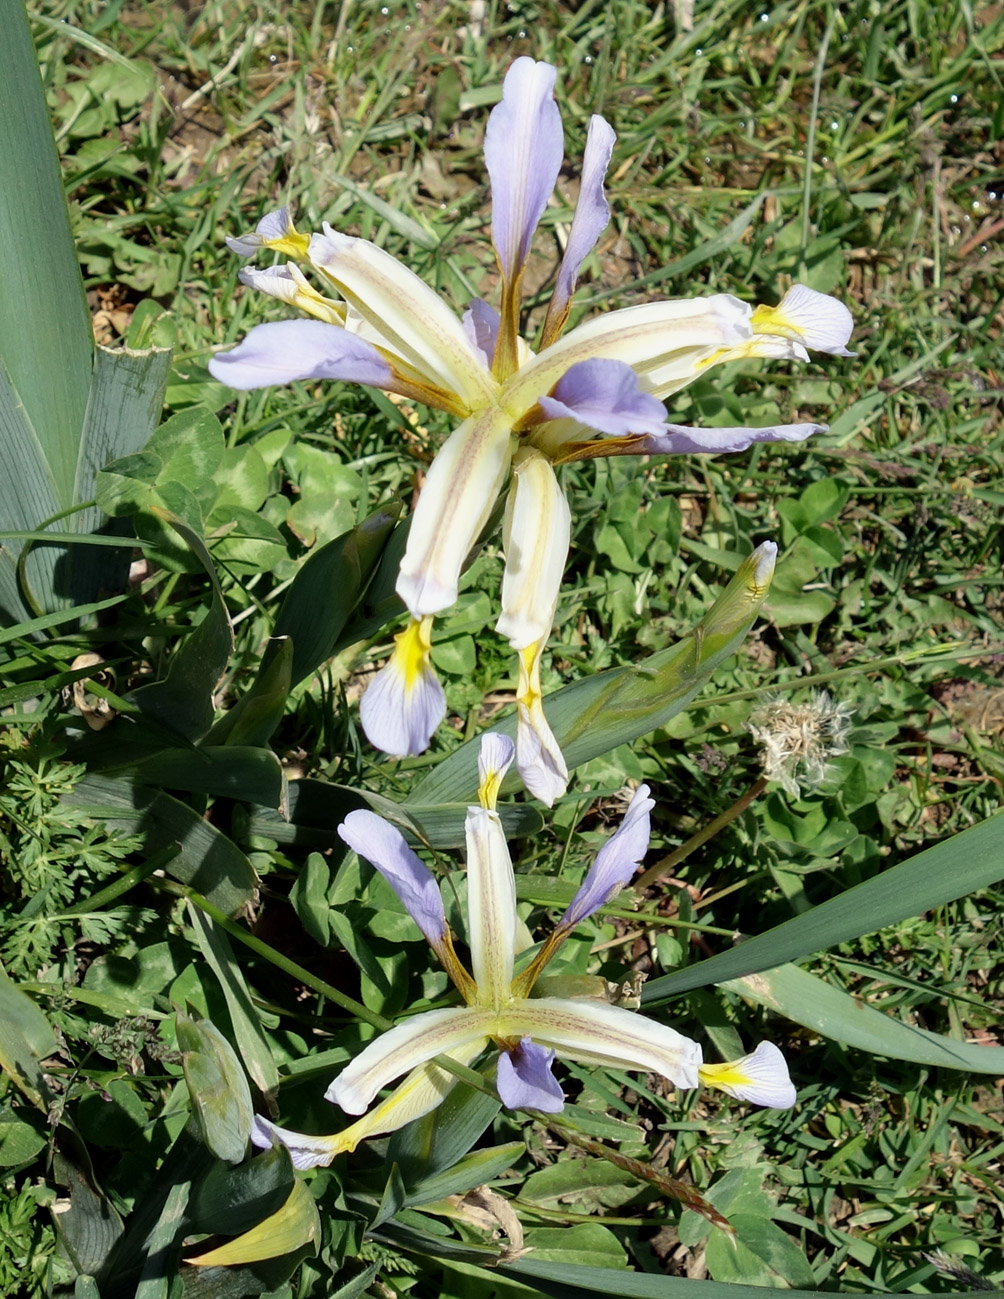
(253, 775)
(89, 1227)
(27, 497)
(835, 1014)
(434, 1143)
(20, 1142)
(45, 328)
(183, 701)
(731, 1260)
(598, 713)
(316, 810)
(64, 407)
(230, 1200)
(186, 449)
(208, 860)
(124, 403)
(474, 1169)
(769, 1243)
(295, 1224)
(254, 717)
(953, 869)
(247, 1028)
(221, 1098)
(309, 896)
(25, 1041)
(588, 1243)
(588, 1185)
(571, 1280)
(162, 1247)
(325, 591)
(351, 939)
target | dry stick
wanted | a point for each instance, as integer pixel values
(678, 855)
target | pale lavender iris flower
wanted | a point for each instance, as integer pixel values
(596, 390)
(499, 1010)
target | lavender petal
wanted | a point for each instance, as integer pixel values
(286, 350)
(592, 213)
(524, 144)
(604, 395)
(616, 861)
(383, 846)
(681, 440)
(481, 323)
(525, 1081)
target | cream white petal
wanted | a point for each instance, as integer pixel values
(412, 318)
(760, 1078)
(405, 1047)
(458, 496)
(535, 537)
(491, 906)
(539, 759)
(420, 1093)
(596, 1033)
(655, 339)
(819, 321)
(305, 1150)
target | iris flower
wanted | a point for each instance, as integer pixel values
(499, 1008)
(597, 390)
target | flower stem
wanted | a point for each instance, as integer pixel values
(673, 859)
(285, 964)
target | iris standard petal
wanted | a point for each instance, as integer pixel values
(276, 231)
(413, 318)
(404, 703)
(290, 285)
(616, 861)
(681, 440)
(491, 906)
(524, 144)
(539, 759)
(405, 1047)
(760, 1078)
(458, 496)
(818, 321)
(535, 537)
(592, 213)
(285, 350)
(661, 341)
(592, 1032)
(481, 321)
(525, 1081)
(383, 846)
(605, 396)
(495, 757)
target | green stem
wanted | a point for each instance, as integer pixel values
(123, 884)
(810, 145)
(283, 963)
(669, 863)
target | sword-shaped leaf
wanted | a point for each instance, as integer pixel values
(598, 713)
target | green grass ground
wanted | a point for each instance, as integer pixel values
(856, 147)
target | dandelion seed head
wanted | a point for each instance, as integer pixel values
(797, 741)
